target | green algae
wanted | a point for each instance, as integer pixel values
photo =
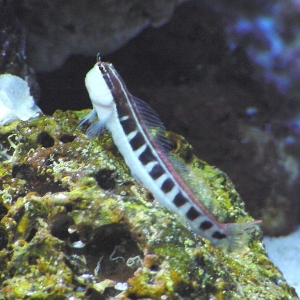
(59, 188)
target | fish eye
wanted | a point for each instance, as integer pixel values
(100, 64)
(102, 68)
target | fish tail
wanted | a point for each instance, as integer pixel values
(239, 234)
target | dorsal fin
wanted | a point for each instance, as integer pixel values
(194, 181)
(157, 131)
(148, 114)
(154, 126)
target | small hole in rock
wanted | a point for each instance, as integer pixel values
(68, 263)
(3, 211)
(106, 237)
(69, 207)
(67, 138)
(12, 272)
(60, 227)
(32, 259)
(3, 238)
(74, 237)
(92, 294)
(111, 253)
(154, 268)
(45, 139)
(24, 171)
(110, 293)
(31, 235)
(105, 179)
(44, 184)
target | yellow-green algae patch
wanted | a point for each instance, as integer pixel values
(75, 225)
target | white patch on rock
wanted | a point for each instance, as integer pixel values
(16, 103)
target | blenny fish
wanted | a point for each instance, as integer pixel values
(139, 135)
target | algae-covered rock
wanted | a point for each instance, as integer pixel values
(75, 225)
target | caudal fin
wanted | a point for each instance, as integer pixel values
(238, 234)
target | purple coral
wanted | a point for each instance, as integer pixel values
(271, 40)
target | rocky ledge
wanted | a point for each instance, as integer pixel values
(74, 224)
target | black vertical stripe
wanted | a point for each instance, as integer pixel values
(219, 235)
(167, 185)
(156, 171)
(128, 125)
(192, 214)
(205, 225)
(179, 200)
(137, 141)
(146, 156)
